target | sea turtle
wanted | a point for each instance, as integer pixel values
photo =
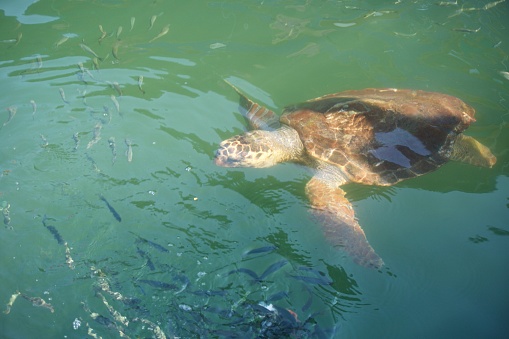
(370, 136)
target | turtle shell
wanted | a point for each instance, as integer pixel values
(380, 136)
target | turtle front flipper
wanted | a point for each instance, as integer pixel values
(337, 218)
(467, 149)
(259, 117)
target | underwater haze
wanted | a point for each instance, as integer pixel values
(117, 222)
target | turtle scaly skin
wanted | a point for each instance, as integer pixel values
(371, 136)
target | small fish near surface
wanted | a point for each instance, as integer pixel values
(18, 39)
(12, 112)
(97, 135)
(159, 284)
(140, 84)
(182, 280)
(62, 95)
(150, 243)
(112, 210)
(114, 50)
(163, 32)
(129, 151)
(76, 138)
(492, 4)
(273, 268)
(145, 255)
(61, 41)
(117, 88)
(103, 34)
(116, 103)
(447, 3)
(263, 249)
(89, 50)
(34, 107)
(119, 31)
(152, 20)
(113, 147)
(247, 271)
(466, 30)
(53, 231)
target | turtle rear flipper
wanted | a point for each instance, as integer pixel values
(337, 218)
(467, 149)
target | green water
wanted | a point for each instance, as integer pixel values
(444, 237)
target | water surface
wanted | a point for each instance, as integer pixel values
(178, 250)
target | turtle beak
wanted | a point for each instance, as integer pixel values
(224, 159)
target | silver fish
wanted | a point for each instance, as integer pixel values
(34, 107)
(89, 50)
(97, 135)
(103, 34)
(12, 112)
(129, 150)
(133, 19)
(408, 35)
(272, 268)
(377, 13)
(44, 141)
(95, 61)
(82, 69)
(140, 83)
(492, 4)
(101, 38)
(119, 31)
(83, 94)
(114, 50)
(466, 30)
(447, 3)
(61, 41)
(18, 39)
(505, 74)
(152, 20)
(62, 95)
(164, 31)
(116, 86)
(111, 142)
(39, 62)
(11, 302)
(115, 102)
(76, 139)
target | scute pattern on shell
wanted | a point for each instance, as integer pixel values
(380, 136)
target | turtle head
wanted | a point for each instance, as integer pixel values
(252, 149)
